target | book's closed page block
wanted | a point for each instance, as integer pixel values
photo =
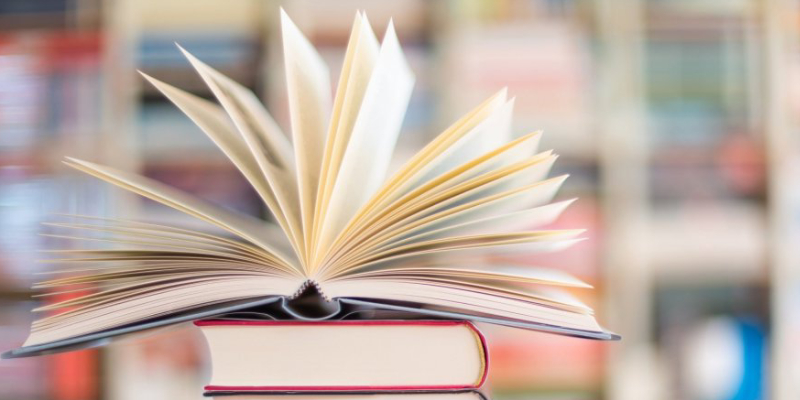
(344, 355)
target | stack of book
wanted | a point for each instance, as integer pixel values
(362, 284)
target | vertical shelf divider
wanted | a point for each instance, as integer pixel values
(623, 160)
(782, 147)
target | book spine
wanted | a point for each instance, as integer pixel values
(338, 389)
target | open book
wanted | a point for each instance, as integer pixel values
(424, 239)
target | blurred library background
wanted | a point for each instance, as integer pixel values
(679, 122)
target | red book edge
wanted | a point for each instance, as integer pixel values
(470, 325)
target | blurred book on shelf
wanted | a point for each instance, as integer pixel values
(73, 376)
(232, 53)
(713, 338)
(16, 15)
(583, 263)
(734, 171)
(701, 71)
(554, 365)
(547, 67)
(163, 131)
(168, 364)
(730, 246)
(50, 92)
(211, 178)
(329, 23)
(20, 379)
(21, 238)
(50, 101)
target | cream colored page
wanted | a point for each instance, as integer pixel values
(470, 220)
(360, 58)
(448, 211)
(503, 290)
(204, 263)
(440, 146)
(105, 300)
(488, 203)
(267, 144)
(372, 141)
(483, 190)
(161, 232)
(490, 133)
(138, 273)
(273, 233)
(140, 306)
(498, 272)
(154, 246)
(101, 303)
(162, 253)
(124, 234)
(428, 204)
(398, 183)
(214, 122)
(309, 92)
(469, 300)
(509, 222)
(425, 158)
(493, 159)
(518, 242)
(478, 241)
(343, 355)
(157, 245)
(470, 170)
(248, 228)
(252, 117)
(480, 186)
(116, 286)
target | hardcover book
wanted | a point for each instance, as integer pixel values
(371, 355)
(349, 237)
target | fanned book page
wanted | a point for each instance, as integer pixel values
(424, 239)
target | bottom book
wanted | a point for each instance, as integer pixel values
(443, 395)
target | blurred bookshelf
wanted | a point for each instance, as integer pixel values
(676, 120)
(50, 92)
